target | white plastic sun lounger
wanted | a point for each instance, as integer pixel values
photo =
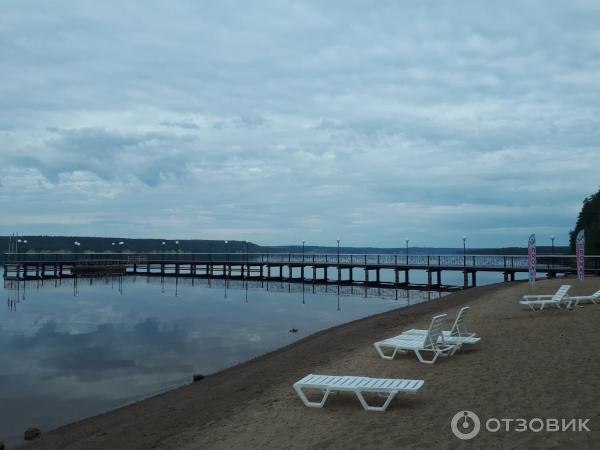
(359, 385)
(432, 341)
(540, 301)
(594, 298)
(457, 334)
(564, 288)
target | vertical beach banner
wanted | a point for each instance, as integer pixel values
(531, 259)
(580, 252)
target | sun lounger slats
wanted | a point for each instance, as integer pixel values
(538, 302)
(457, 335)
(594, 298)
(358, 385)
(432, 341)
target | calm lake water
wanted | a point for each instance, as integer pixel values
(73, 351)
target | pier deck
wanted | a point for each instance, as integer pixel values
(367, 270)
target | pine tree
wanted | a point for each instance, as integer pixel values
(588, 220)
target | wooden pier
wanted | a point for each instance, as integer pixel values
(368, 270)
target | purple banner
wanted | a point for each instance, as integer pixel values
(580, 252)
(532, 259)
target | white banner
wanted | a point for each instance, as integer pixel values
(532, 259)
(580, 252)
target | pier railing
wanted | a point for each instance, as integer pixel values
(544, 262)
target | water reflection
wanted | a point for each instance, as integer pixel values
(73, 348)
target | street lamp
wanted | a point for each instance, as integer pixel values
(552, 257)
(225, 269)
(406, 240)
(22, 241)
(338, 251)
(303, 242)
(247, 273)
(464, 239)
(76, 244)
(163, 250)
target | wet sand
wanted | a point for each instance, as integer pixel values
(529, 364)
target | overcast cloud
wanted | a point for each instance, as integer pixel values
(281, 121)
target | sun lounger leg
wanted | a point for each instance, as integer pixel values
(431, 361)
(384, 356)
(383, 407)
(308, 403)
(454, 349)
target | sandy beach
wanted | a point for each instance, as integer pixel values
(528, 365)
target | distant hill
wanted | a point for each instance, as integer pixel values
(66, 244)
(541, 250)
(588, 220)
(363, 250)
(101, 244)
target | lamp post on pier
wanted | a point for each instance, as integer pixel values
(552, 257)
(303, 242)
(75, 248)
(406, 240)
(247, 273)
(226, 268)
(464, 239)
(20, 241)
(338, 251)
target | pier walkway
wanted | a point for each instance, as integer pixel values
(366, 269)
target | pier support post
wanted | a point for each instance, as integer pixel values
(377, 275)
(406, 277)
(505, 277)
(439, 277)
(351, 274)
(512, 276)
(474, 278)
(366, 276)
(281, 272)
(466, 279)
(261, 272)
(314, 276)
(428, 278)
(396, 277)
(302, 272)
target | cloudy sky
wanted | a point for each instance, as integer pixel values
(282, 121)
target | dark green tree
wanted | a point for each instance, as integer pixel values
(588, 220)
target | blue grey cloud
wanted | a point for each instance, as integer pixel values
(276, 122)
